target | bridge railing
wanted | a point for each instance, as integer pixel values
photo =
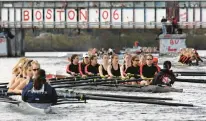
(63, 24)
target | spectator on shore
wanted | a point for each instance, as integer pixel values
(164, 28)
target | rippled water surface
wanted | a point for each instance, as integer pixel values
(107, 111)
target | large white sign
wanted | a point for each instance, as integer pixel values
(60, 18)
(95, 18)
(183, 16)
(38, 18)
(116, 18)
(150, 17)
(105, 18)
(83, 18)
(49, 17)
(4, 17)
(3, 47)
(128, 18)
(171, 45)
(27, 17)
(139, 17)
(71, 17)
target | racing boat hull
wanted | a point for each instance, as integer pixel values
(32, 107)
(150, 88)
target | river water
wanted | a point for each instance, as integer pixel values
(105, 110)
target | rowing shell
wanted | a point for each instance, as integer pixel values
(32, 107)
(150, 88)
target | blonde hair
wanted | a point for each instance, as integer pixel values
(26, 66)
(142, 59)
(22, 62)
(35, 63)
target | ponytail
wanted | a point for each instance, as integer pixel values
(40, 80)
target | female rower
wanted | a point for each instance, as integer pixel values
(17, 71)
(103, 67)
(114, 68)
(20, 76)
(73, 67)
(22, 82)
(39, 91)
(126, 64)
(35, 67)
(93, 67)
(148, 70)
(165, 76)
(135, 68)
(83, 64)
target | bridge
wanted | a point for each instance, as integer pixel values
(21, 15)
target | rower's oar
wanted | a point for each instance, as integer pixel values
(54, 79)
(189, 74)
(70, 102)
(12, 102)
(4, 83)
(192, 80)
(123, 99)
(3, 86)
(136, 101)
(98, 83)
(74, 79)
(81, 81)
(128, 97)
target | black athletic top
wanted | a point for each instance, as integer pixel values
(72, 68)
(115, 72)
(92, 69)
(104, 71)
(82, 68)
(133, 70)
(148, 71)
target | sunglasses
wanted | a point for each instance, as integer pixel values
(149, 59)
(35, 69)
(136, 60)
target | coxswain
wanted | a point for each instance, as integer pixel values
(114, 68)
(148, 70)
(103, 67)
(93, 67)
(135, 68)
(39, 91)
(83, 64)
(126, 63)
(165, 76)
(73, 67)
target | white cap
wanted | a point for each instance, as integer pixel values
(85, 55)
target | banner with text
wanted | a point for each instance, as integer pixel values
(51, 17)
(171, 45)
